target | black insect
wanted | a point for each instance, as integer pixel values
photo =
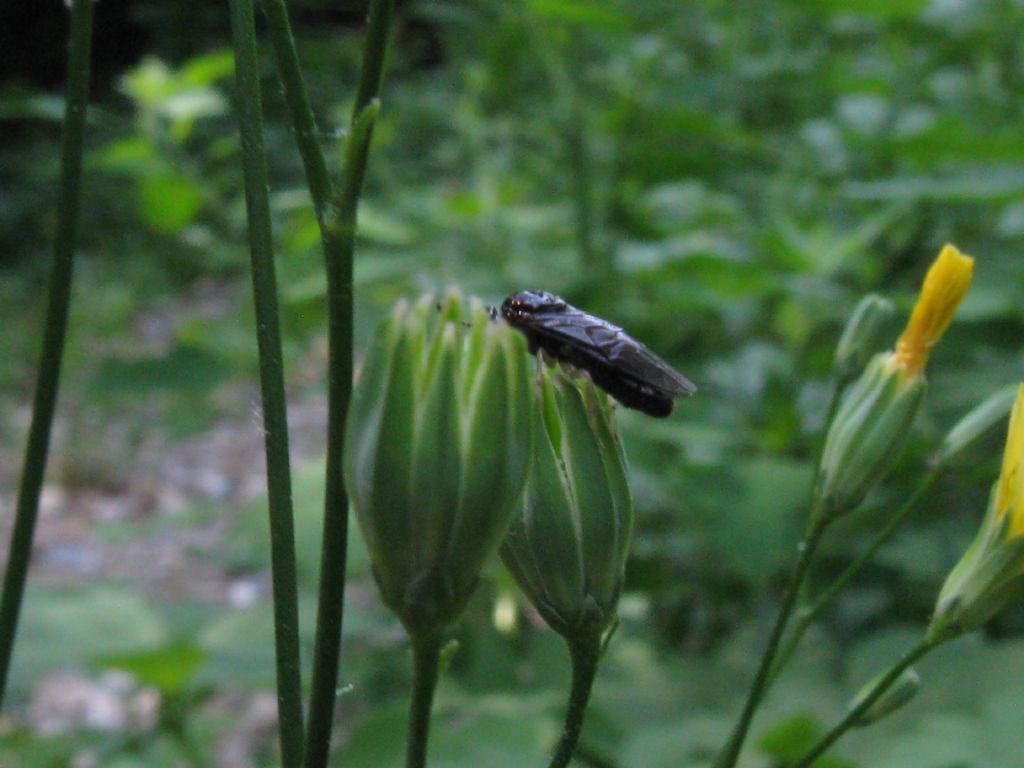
(618, 363)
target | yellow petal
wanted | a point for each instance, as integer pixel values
(944, 286)
(1010, 491)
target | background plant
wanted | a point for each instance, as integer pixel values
(754, 169)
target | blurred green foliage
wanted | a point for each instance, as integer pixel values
(723, 179)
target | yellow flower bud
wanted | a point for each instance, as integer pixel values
(875, 416)
(991, 572)
(944, 286)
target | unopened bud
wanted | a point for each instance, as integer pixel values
(436, 452)
(897, 696)
(861, 336)
(567, 546)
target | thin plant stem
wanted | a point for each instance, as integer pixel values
(579, 156)
(339, 250)
(575, 125)
(767, 670)
(318, 178)
(585, 654)
(275, 422)
(378, 31)
(55, 330)
(426, 654)
(806, 616)
(854, 715)
(807, 547)
(838, 387)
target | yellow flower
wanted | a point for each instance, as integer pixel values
(1010, 488)
(944, 286)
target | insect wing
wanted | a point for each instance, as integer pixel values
(608, 345)
(576, 328)
(630, 355)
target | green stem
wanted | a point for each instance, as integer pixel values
(838, 388)
(339, 250)
(575, 125)
(579, 157)
(55, 330)
(318, 178)
(275, 422)
(807, 616)
(585, 657)
(730, 753)
(854, 715)
(426, 654)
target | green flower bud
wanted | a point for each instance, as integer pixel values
(436, 452)
(975, 424)
(991, 572)
(861, 337)
(568, 544)
(899, 694)
(866, 434)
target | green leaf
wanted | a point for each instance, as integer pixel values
(758, 529)
(978, 183)
(593, 14)
(31, 106)
(185, 368)
(68, 628)
(169, 201)
(493, 731)
(687, 742)
(240, 648)
(168, 669)
(788, 739)
(208, 68)
(886, 10)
